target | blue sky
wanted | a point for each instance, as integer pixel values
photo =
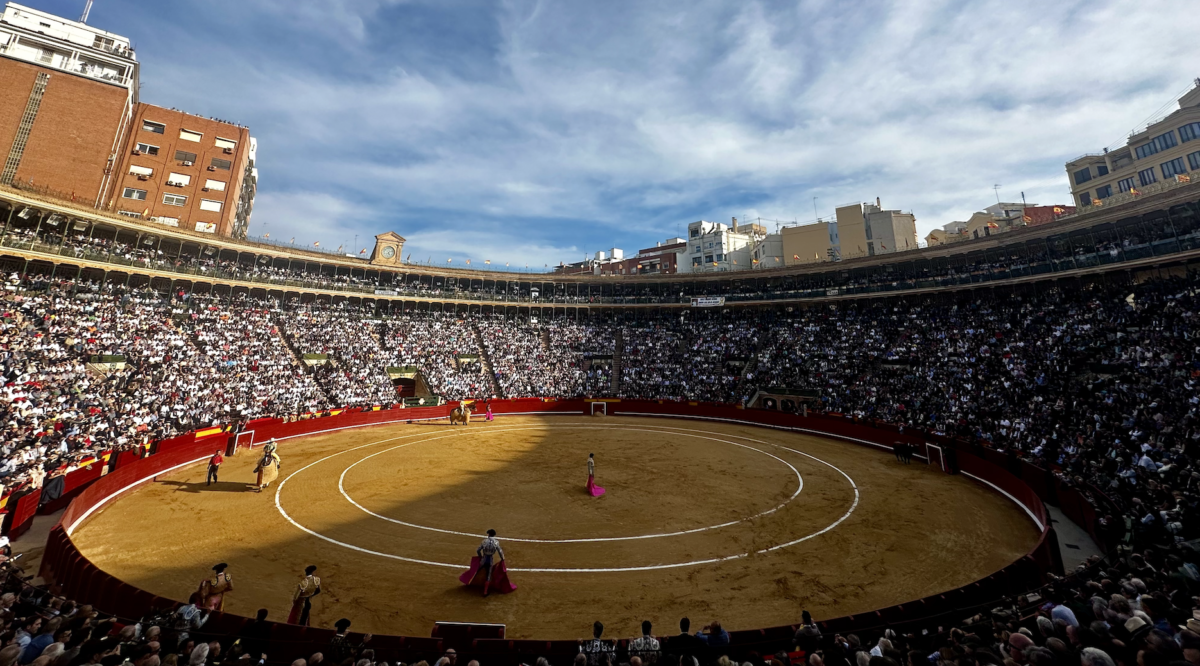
(535, 132)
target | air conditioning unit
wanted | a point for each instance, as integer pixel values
(204, 189)
(212, 168)
(229, 151)
(187, 164)
(136, 151)
(174, 184)
(143, 177)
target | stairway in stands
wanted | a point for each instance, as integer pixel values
(618, 353)
(486, 362)
(750, 366)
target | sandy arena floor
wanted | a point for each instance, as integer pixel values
(701, 519)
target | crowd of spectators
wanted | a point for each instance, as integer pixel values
(445, 349)
(561, 359)
(1097, 382)
(354, 371)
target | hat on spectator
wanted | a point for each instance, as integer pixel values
(1136, 626)
(1189, 639)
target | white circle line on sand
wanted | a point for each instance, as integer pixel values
(652, 567)
(799, 480)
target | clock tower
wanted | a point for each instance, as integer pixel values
(388, 248)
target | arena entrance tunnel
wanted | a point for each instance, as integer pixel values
(76, 577)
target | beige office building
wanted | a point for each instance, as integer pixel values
(1166, 151)
(868, 230)
(808, 243)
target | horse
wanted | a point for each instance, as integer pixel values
(460, 415)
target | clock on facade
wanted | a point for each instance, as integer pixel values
(389, 252)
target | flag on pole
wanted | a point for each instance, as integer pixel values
(796, 257)
(266, 235)
(1058, 211)
(487, 262)
(363, 251)
(991, 225)
(316, 243)
(468, 262)
(449, 260)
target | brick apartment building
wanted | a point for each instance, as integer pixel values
(69, 93)
(72, 127)
(185, 171)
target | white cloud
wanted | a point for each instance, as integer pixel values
(576, 125)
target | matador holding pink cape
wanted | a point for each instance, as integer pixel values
(593, 489)
(485, 570)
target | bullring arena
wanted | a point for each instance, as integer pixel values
(699, 517)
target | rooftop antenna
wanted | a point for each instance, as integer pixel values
(997, 188)
(87, 9)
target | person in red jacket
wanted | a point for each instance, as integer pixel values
(214, 465)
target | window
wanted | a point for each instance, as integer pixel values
(179, 179)
(223, 165)
(708, 258)
(151, 126)
(102, 43)
(1104, 192)
(174, 199)
(1157, 144)
(46, 56)
(214, 185)
(1169, 169)
(1101, 170)
(132, 193)
(696, 249)
(1194, 160)
(141, 171)
(209, 204)
(1084, 200)
(188, 135)
(226, 143)
(1189, 132)
(147, 149)
(695, 233)
(720, 257)
(1125, 184)
(185, 156)
(130, 213)
(1146, 176)
(1083, 175)
(695, 261)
